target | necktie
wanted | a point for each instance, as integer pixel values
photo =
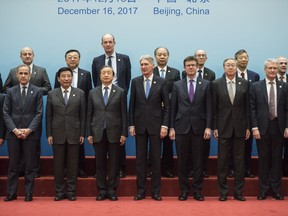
(242, 75)
(230, 91)
(271, 104)
(200, 74)
(23, 95)
(110, 61)
(106, 95)
(162, 73)
(66, 97)
(147, 87)
(282, 78)
(191, 91)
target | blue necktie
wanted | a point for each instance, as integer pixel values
(65, 97)
(110, 61)
(106, 95)
(147, 87)
(23, 95)
(162, 73)
(200, 74)
(191, 91)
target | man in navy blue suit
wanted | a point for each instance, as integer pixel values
(122, 68)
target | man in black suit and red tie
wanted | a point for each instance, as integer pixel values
(190, 124)
(269, 123)
(122, 68)
(231, 110)
(148, 121)
(82, 80)
(170, 75)
(22, 113)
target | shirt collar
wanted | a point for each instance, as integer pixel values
(62, 89)
(268, 81)
(21, 86)
(165, 68)
(228, 80)
(150, 78)
(109, 86)
(113, 55)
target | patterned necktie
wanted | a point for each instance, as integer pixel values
(23, 95)
(242, 75)
(106, 95)
(110, 61)
(191, 91)
(271, 104)
(66, 97)
(147, 87)
(282, 78)
(162, 73)
(200, 74)
(231, 91)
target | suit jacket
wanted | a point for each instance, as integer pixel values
(2, 124)
(123, 70)
(208, 74)
(39, 78)
(28, 116)
(113, 115)
(66, 123)
(84, 81)
(252, 76)
(260, 107)
(172, 75)
(231, 117)
(148, 114)
(196, 115)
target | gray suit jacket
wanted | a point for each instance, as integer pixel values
(28, 116)
(65, 123)
(114, 114)
(39, 78)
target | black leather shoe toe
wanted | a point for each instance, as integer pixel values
(101, 197)
(139, 197)
(198, 197)
(28, 197)
(223, 198)
(10, 197)
(239, 197)
(156, 197)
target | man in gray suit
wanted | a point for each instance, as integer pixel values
(38, 78)
(22, 112)
(65, 131)
(107, 130)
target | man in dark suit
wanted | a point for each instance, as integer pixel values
(148, 121)
(107, 128)
(242, 60)
(206, 74)
(38, 78)
(65, 131)
(231, 126)
(269, 122)
(81, 79)
(122, 68)
(190, 124)
(170, 75)
(2, 124)
(22, 112)
(283, 76)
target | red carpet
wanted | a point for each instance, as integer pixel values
(170, 206)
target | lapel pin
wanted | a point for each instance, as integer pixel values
(118, 59)
(280, 86)
(81, 74)
(154, 82)
(239, 83)
(199, 82)
(74, 95)
(31, 92)
(113, 90)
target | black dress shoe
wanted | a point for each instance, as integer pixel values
(59, 197)
(223, 197)
(278, 196)
(205, 174)
(231, 174)
(37, 175)
(198, 197)
(156, 197)
(262, 196)
(101, 197)
(28, 197)
(183, 196)
(82, 174)
(71, 197)
(168, 174)
(122, 174)
(149, 174)
(10, 197)
(112, 197)
(139, 197)
(239, 197)
(248, 174)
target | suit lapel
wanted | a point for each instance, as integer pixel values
(80, 77)
(140, 86)
(264, 90)
(118, 63)
(279, 90)
(112, 94)
(100, 94)
(185, 89)
(60, 96)
(71, 96)
(224, 89)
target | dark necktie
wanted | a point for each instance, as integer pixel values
(110, 61)
(243, 75)
(147, 87)
(162, 73)
(272, 113)
(200, 74)
(66, 97)
(282, 78)
(105, 95)
(23, 95)
(191, 91)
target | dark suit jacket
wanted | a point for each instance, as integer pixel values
(66, 123)
(252, 76)
(39, 78)
(196, 115)
(231, 117)
(123, 70)
(208, 74)
(84, 81)
(149, 114)
(2, 124)
(172, 75)
(260, 107)
(114, 114)
(28, 116)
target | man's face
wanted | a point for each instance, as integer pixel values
(191, 68)
(271, 70)
(230, 68)
(282, 65)
(27, 56)
(106, 75)
(146, 67)
(65, 79)
(201, 57)
(72, 60)
(162, 57)
(23, 75)
(108, 44)
(242, 60)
